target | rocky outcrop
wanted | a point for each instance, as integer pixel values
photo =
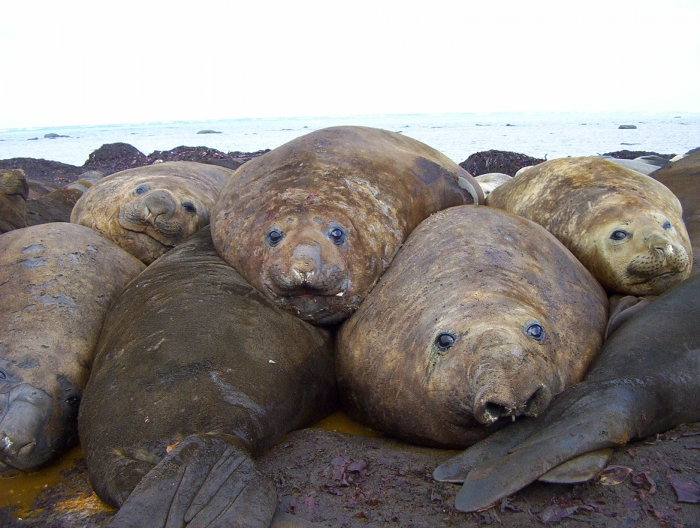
(497, 161)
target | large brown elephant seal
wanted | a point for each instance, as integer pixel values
(644, 381)
(195, 372)
(314, 223)
(151, 209)
(625, 227)
(56, 284)
(683, 178)
(57, 205)
(482, 315)
(13, 199)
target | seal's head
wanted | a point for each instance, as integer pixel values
(636, 249)
(150, 210)
(38, 415)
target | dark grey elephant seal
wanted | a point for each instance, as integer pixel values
(149, 210)
(195, 373)
(314, 223)
(644, 381)
(56, 284)
(483, 316)
(13, 199)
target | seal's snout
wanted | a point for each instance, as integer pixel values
(503, 401)
(22, 426)
(305, 263)
(156, 204)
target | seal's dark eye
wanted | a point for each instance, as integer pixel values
(274, 236)
(337, 235)
(666, 225)
(535, 331)
(444, 340)
(189, 207)
(619, 235)
(3, 375)
(73, 401)
(140, 189)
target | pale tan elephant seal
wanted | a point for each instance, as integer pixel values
(13, 199)
(314, 223)
(149, 210)
(625, 227)
(488, 182)
(482, 317)
(56, 283)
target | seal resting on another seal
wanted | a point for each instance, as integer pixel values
(149, 210)
(683, 178)
(57, 205)
(482, 315)
(13, 199)
(56, 283)
(195, 372)
(314, 223)
(625, 227)
(644, 381)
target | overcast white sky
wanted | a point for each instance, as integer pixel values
(97, 62)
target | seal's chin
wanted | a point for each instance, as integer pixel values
(317, 307)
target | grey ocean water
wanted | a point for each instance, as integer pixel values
(553, 135)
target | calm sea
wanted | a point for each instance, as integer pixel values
(553, 135)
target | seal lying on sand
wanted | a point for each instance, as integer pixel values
(625, 227)
(644, 381)
(13, 199)
(314, 223)
(482, 315)
(56, 283)
(195, 372)
(149, 210)
(683, 178)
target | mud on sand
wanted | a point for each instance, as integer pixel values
(336, 479)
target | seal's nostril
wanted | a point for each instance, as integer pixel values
(27, 449)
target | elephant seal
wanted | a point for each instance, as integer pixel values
(195, 372)
(57, 205)
(149, 210)
(13, 199)
(643, 382)
(56, 283)
(683, 178)
(314, 223)
(482, 315)
(488, 182)
(626, 228)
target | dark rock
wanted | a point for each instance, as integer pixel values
(115, 157)
(632, 154)
(52, 135)
(627, 127)
(497, 161)
(44, 170)
(232, 160)
(208, 132)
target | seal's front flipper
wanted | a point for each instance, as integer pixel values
(206, 481)
(580, 469)
(499, 444)
(604, 414)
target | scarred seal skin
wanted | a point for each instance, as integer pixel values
(625, 227)
(56, 283)
(482, 315)
(314, 223)
(644, 382)
(13, 199)
(149, 210)
(683, 178)
(195, 373)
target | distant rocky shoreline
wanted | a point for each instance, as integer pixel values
(115, 157)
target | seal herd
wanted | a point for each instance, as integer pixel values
(355, 267)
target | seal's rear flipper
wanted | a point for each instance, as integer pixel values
(580, 469)
(206, 481)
